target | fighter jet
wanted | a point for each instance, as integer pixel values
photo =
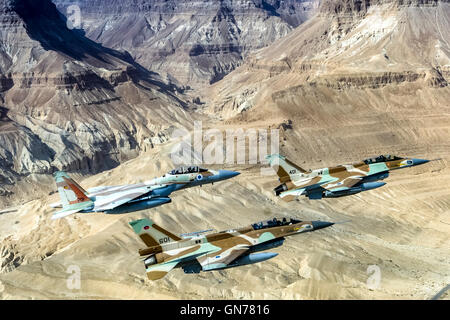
(217, 251)
(334, 182)
(134, 197)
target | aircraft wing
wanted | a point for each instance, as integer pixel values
(315, 192)
(343, 184)
(221, 258)
(120, 197)
(65, 213)
(102, 189)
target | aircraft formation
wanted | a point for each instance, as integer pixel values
(202, 251)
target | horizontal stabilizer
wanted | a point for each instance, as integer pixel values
(291, 195)
(64, 213)
(55, 205)
(159, 271)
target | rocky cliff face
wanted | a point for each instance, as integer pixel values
(380, 50)
(190, 42)
(357, 80)
(69, 103)
(370, 75)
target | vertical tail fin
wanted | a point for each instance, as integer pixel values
(73, 197)
(152, 234)
(284, 168)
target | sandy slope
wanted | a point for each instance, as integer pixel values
(332, 114)
(402, 228)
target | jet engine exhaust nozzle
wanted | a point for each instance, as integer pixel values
(280, 189)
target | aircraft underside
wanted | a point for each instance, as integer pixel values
(146, 203)
(367, 183)
(193, 266)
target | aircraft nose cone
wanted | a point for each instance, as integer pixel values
(321, 224)
(227, 174)
(417, 162)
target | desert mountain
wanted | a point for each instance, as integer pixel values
(67, 102)
(189, 42)
(401, 230)
(367, 76)
(356, 80)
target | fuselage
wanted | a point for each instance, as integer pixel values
(218, 250)
(343, 180)
(151, 193)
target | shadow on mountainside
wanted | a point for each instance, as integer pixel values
(45, 24)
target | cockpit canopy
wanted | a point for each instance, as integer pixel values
(382, 158)
(189, 169)
(274, 223)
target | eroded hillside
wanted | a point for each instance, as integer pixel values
(401, 228)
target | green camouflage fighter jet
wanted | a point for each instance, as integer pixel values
(334, 182)
(227, 249)
(133, 197)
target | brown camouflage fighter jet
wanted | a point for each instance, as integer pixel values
(227, 249)
(334, 182)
